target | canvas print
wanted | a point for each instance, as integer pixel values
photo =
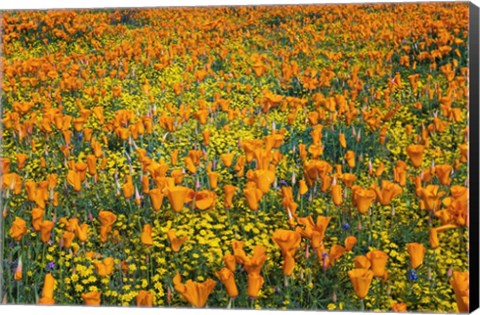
(307, 157)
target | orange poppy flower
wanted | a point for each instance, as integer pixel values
(362, 198)
(253, 196)
(378, 260)
(92, 298)
(146, 236)
(195, 293)
(350, 241)
(263, 179)
(350, 157)
(104, 268)
(431, 197)
(443, 173)
(288, 241)
(21, 158)
(229, 191)
(177, 196)
(82, 232)
(227, 277)
(417, 253)
(67, 238)
(387, 193)
(144, 298)
(230, 262)
(255, 283)
(18, 229)
(45, 228)
(361, 280)
(47, 292)
(336, 191)
(460, 284)
(205, 199)
(156, 197)
(399, 307)
(175, 242)
(362, 262)
(415, 153)
(37, 218)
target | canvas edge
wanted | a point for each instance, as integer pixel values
(474, 86)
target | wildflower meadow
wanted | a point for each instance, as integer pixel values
(308, 157)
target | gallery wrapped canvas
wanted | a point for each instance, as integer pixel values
(306, 157)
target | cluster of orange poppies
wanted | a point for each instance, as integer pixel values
(310, 118)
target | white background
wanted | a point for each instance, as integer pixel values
(47, 4)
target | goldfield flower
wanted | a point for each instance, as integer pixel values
(416, 251)
(361, 280)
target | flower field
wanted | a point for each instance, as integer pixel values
(307, 157)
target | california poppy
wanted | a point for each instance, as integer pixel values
(255, 283)
(92, 298)
(18, 229)
(194, 292)
(288, 241)
(48, 288)
(228, 279)
(156, 197)
(146, 236)
(176, 242)
(144, 298)
(45, 228)
(361, 280)
(460, 283)
(104, 268)
(177, 196)
(417, 253)
(415, 153)
(378, 261)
